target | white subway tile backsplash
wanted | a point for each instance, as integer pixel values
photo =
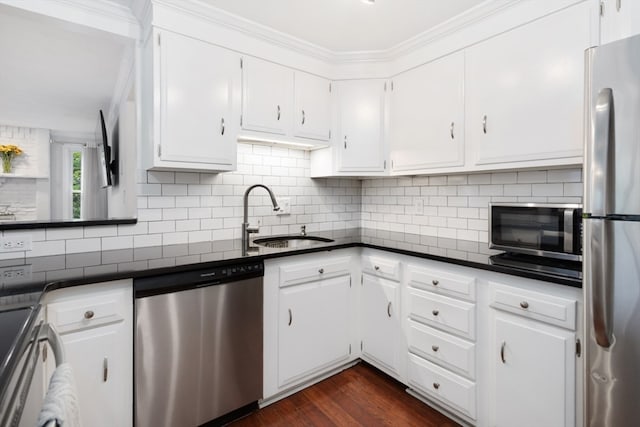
(74, 246)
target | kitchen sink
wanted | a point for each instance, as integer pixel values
(293, 241)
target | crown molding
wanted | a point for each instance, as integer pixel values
(220, 17)
(100, 14)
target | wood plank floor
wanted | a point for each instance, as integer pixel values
(358, 396)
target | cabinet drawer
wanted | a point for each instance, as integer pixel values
(449, 388)
(85, 312)
(534, 305)
(443, 349)
(442, 282)
(447, 314)
(292, 274)
(381, 267)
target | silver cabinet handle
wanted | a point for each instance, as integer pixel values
(524, 304)
(435, 348)
(278, 113)
(105, 370)
(504, 344)
(451, 130)
(290, 317)
(376, 267)
(435, 282)
(436, 385)
(600, 194)
(222, 126)
(321, 271)
(435, 312)
(303, 117)
(618, 5)
(345, 142)
(389, 309)
(484, 124)
(89, 314)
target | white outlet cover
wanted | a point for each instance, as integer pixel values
(15, 243)
(418, 206)
(285, 206)
(15, 275)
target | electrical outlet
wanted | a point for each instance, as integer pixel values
(418, 206)
(285, 206)
(15, 275)
(15, 242)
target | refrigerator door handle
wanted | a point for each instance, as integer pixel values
(601, 145)
(601, 280)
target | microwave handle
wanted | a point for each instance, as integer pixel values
(568, 230)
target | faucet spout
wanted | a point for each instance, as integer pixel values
(246, 230)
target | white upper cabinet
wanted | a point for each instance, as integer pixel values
(427, 116)
(525, 90)
(619, 19)
(312, 107)
(360, 141)
(197, 112)
(267, 89)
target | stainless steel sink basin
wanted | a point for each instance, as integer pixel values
(293, 241)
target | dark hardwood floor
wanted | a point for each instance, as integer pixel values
(359, 396)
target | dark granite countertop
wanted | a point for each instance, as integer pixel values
(23, 281)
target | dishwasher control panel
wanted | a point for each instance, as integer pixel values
(217, 274)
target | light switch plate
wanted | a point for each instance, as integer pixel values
(285, 206)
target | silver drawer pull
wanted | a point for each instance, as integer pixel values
(484, 124)
(436, 385)
(303, 117)
(89, 314)
(321, 271)
(389, 309)
(290, 317)
(435, 348)
(435, 282)
(278, 117)
(105, 370)
(451, 130)
(435, 312)
(222, 126)
(504, 344)
(524, 304)
(376, 267)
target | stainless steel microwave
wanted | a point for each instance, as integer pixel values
(550, 230)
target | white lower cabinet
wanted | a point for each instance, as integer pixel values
(313, 328)
(95, 323)
(380, 323)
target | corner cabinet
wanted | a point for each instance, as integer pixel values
(525, 91)
(95, 323)
(190, 105)
(427, 116)
(619, 19)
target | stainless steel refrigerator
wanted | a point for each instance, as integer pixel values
(612, 235)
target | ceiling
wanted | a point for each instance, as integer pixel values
(348, 25)
(55, 75)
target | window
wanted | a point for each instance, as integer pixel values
(76, 184)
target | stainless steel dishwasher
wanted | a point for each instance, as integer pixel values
(198, 344)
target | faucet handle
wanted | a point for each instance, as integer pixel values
(303, 230)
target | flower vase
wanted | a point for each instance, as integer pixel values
(6, 164)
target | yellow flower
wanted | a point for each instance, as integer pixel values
(10, 150)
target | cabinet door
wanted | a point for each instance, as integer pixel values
(266, 96)
(199, 105)
(313, 328)
(360, 143)
(101, 359)
(311, 109)
(525, 90)
(619, 19)
(380, 322)
(427, 112)
(534, 373)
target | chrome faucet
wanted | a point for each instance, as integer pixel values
(247, 230)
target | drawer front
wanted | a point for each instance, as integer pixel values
(444, 313)
(442, 385)
(443, 349)
(88, 312)
(381, 267)
(292, 274)
(535, 305)
(442, 282)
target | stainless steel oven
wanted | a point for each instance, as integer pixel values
(549, 230)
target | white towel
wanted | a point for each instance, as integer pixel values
(61, 402)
